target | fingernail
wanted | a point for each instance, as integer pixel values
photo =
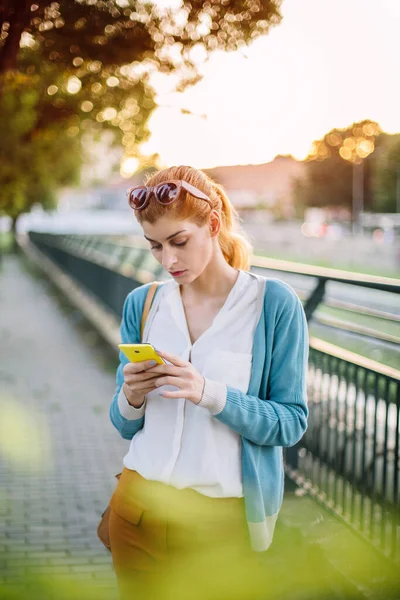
(152, 363)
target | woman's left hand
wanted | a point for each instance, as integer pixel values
(180, 373)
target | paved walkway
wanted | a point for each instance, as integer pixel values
(55, 400)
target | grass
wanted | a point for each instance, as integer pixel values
(361, 268)
(375, 351)
(5, 242)
(375, 323)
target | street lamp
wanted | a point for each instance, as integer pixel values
(357, 195)
(398, 190)
(355, 150)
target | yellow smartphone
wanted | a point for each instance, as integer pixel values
(141, 352)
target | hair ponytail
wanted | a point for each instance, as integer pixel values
(234, 243)
(236, 247)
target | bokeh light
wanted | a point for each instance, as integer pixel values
(74, 85)
(87, 106)
(129, 166)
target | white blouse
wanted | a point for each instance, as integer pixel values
(182, 444)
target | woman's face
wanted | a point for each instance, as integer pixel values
(183, 248)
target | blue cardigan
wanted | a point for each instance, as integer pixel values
(271, 415)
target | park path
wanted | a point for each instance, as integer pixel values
(55, 394)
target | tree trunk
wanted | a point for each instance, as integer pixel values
(18, 15)
(14, 225)
(13, 231)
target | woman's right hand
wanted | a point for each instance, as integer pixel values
(138, 381)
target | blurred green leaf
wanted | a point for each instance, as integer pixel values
(24, 438)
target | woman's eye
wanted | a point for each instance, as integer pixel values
(158, 247)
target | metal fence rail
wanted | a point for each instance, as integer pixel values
(349, 456)
(107, 265)
(108, 271)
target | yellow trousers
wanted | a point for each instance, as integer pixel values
(170, 543)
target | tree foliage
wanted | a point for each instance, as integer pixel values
(33, 162)
(117, 32)
(330, 163)
(387, 174)
(84, 66)
(106, 51)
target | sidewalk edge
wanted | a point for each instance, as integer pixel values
(101, 318)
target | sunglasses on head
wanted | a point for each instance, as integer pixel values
(165, 193)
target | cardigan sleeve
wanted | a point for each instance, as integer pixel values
(125, 418)
(280, 419)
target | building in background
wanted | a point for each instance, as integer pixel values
(269, 185)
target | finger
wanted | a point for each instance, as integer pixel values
(142, 387)
(136, 384)
(176, 381)
(132, 377)
(169, 394)
(147, 390)
(143, 376)
(166, 370)
(139, 379)
(175, 360)
(138, 367)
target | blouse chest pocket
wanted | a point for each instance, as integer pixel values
(231, 368)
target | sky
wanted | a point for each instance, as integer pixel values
(328, 64)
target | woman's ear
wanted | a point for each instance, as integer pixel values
(214, 223)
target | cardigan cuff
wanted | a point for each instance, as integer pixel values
(127, 410)
(214, 396)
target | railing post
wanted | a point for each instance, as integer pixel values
(292, 455)
(317, 295)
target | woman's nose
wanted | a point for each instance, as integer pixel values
(168, 259)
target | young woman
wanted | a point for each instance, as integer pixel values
(203, 476)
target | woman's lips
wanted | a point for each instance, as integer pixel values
(177, 273)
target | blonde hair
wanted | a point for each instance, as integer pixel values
(235, 245)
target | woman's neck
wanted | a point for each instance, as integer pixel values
(216, 280)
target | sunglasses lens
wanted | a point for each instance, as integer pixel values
(167, 192)
(137, 198)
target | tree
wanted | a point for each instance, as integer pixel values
(105, 51)
(330, 164)
(387, 175)
(117, 32)
(90, 62)
(33, 163)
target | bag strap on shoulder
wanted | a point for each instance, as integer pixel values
(147, 305)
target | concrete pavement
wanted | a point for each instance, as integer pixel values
(59, 452)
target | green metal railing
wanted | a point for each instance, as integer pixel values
(107, 270)
(349, 457)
